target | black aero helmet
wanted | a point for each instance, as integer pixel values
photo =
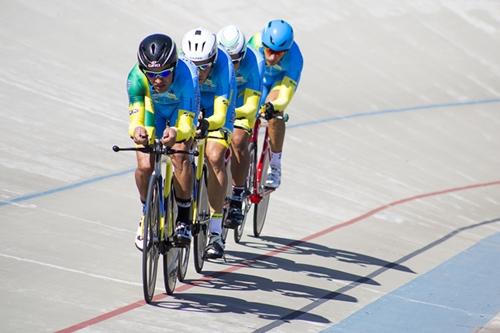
(157, 52)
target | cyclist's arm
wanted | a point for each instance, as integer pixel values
(218, 118)
(136, 114)
(286, 91)
(185, 125)
(140, 106)
(291, 79)
(190, 105)
(253, 88)
(251, 100)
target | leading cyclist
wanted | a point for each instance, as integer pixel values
(249, 68)
(281, 77)
(163, 89)
(217, 89)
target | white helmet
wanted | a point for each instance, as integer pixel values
(199, 45)
(233, 41)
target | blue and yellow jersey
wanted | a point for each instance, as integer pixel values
(218, 93)
(179, 105)
(284, 76)
(249, 84)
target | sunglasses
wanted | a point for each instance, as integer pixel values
(163, 74)
(236, 58)
(204, 67)
(269, 52)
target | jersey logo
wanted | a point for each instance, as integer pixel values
(167, 97)
(133, 111)
(208, 85)
(240, 80)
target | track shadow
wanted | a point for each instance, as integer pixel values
(204, 303)
(267, 262)
(213, 303)
(271, 243)
(245, 282)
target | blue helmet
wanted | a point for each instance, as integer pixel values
(278, 35)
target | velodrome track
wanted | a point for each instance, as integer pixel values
(388, 219)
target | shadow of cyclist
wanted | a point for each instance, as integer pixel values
(271, 243)
(242, 282)
(266, 262)
(245, 282)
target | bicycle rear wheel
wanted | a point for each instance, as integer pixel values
(260, 209)
(247, 204)
(202, 220)
(171, 255)
(151, 239)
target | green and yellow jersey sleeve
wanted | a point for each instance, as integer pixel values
(140, 106)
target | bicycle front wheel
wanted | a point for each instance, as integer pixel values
(183, 262)
(151, 239)
(202, 220)
(260, 210)
(171, 255)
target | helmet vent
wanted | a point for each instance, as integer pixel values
(197, 32)
(203, 46)
(153, 48)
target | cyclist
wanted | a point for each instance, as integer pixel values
(249, 68)
(217, 84)
(281, 76)
(163, 89)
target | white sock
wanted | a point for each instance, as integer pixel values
(276, 160)
(215, 226)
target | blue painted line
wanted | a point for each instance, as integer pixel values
(401, 110)
(458, 296)
(304, 124)
(63, 188)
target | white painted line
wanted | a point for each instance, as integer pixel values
(97, 276)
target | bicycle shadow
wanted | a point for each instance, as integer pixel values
(275, 262)
(243, 282)
(308, 248)
(204, 303)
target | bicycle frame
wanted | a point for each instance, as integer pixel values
(167, 186)
(258, 191)
(200, 162)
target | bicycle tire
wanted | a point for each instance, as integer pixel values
(183, 262)
(247, 204)
(224, 229)
(151, 239)
(203, 218)
(260, 209)
(171, 255)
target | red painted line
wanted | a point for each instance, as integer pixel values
(273, 253)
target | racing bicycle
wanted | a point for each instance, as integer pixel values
(159, 221)
(256, 193)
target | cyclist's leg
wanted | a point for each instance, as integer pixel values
(183, 180)
(239, 147)
(217, 144)
(240, 160)
(142, 173)
(276, 126)
(276, 130)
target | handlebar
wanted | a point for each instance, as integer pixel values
(156, 148)
(284, 117)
